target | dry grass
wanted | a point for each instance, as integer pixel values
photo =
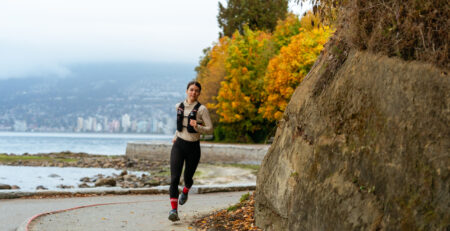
(410, 29)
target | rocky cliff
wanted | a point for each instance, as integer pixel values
(366, 148)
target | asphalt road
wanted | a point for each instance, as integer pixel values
(123, 212)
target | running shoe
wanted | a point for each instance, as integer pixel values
(183, 199)
(173, 215)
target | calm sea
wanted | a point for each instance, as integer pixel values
(92, 143)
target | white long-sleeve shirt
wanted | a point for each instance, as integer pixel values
(202, 118)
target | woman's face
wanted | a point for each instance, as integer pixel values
(192, 93)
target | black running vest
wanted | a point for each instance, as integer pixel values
(192, 115)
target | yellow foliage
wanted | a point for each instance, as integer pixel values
(287, 70)
(213, 73)
(240, 93)
(310, 21)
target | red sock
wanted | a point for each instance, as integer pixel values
(174, 203)
(185, 190)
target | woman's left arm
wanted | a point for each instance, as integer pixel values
(208, 127)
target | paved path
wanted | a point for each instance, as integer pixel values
(130, 212)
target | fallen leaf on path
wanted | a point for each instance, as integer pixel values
(240, 219)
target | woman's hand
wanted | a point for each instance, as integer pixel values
(193, 123)
(174, 139)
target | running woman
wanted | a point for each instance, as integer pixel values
(192, 119)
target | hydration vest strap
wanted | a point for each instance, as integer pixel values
(180, 116)
(192, 115)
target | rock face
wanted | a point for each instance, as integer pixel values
(367, 149)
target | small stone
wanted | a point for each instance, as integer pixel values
(86, 179)
(105, 182)
(15, 187)
(53, 175)
(130, 163)
(64, 186)
(40, 187)
(152, 183)
(128, 177)
(84, 185)
(123, 173)
(5, 186)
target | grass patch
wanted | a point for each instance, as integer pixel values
(165, 171)
(198, 173)
(244, 197)
(8, 158)
(232, 208)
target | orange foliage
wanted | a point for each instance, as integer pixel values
(212, 73)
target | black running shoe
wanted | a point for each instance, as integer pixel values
(173, 215)
(183, 199)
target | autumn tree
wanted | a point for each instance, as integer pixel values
(239, 95)
(287, 70)
(285, 29)
(256, 14)
(210, 72)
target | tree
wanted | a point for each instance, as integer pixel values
(287, 70)
(256, 14)
(285, 29)
(211, 72)
(240, 93)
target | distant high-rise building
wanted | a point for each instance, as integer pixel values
(141, 127)
(105, 123)
(20, 126)
(87, 124)
(115, 126)
(154, 125)
(133, 126)
(99, 127)
(79, 124)
(94, 124)
(126, 123)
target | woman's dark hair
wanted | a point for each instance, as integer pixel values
(194, 83)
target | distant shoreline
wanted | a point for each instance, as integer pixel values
(86, 134)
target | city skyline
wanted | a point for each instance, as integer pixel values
(146, 92)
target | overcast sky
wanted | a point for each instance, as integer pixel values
(43, 37)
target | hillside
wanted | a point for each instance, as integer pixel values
(142, 90)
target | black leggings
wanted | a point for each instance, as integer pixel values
(183, 151)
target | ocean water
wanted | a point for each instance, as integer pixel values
(91, 143)
(29, 177)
